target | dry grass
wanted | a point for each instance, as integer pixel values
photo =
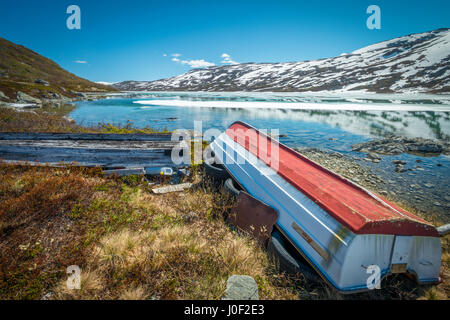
(132, 244)
(12, 120)
(186, 252)
(129, 243)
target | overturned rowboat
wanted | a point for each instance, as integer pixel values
(352, 237)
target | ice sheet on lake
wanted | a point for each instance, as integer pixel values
(296, 105)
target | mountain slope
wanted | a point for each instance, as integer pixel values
(416, 63)
(24, 70)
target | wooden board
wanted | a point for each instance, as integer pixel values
(108, 150)
(84, 136)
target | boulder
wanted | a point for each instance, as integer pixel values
(3, 96)
(395, 145)
(25, 98)
(241, 287)
(40, 81)
(80, 94)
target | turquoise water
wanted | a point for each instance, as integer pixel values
(298, 132)
(331, 129)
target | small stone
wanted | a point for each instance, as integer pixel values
(384, 192)
(373, 156)
(189, 217)
(439, 164)
(429, 185)
(241, 287)
(401, 162)
(399, 168)
(47, 296)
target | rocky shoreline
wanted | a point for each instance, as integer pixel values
(425, 198)
(25, 101)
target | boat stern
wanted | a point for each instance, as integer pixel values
(372, 257)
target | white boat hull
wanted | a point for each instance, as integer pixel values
(346, 260)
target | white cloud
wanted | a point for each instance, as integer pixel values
(80, 61)
(165, 55)
(198, 63)
(227, 59)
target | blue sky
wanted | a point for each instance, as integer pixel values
(126, 40)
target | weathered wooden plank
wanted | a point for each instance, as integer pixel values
(172, 188)
(84, 136)
(110, 157)
(125, 172)
(90, 144)
(90, 150)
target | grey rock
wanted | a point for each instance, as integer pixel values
(394, 145)
(374, 156)
(3, 96)
(241, 287)
(401, 162)
(47, 296)
(80, 94)
(40, 81)
(25, 98)
(189, 217)
(444, 230)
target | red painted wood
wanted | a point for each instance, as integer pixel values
(349, 204)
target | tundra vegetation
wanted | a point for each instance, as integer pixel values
(133, 244)
(22, 70)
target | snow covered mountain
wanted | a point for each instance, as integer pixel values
(413, 63)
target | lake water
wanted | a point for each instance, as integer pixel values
(328, 121)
